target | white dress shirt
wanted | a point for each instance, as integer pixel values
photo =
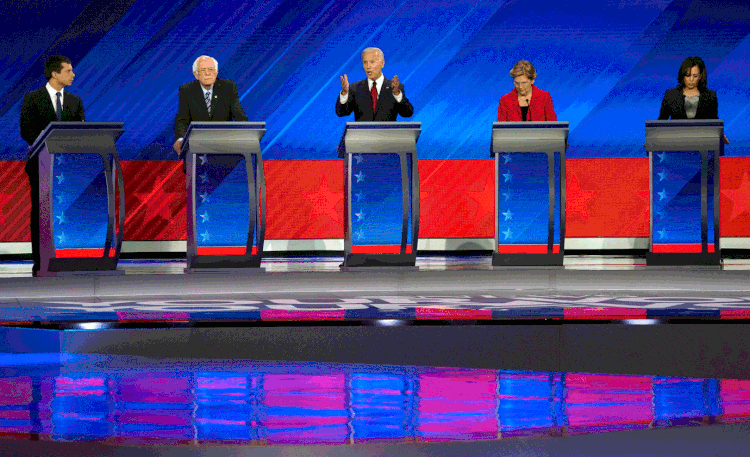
(379, 84)
(53, 95)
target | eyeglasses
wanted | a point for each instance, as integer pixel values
(207, 71)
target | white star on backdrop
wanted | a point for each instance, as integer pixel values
(508, 233)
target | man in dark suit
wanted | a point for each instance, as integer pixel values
(376, 98)
(207, 99)
(47, 104)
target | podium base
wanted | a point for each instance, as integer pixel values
(57, 274)
(228, 271)
(222, 262)
(708, 260)
(374, 269)
(80, 266)
(527, 260)
(379, 260)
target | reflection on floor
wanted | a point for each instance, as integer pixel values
(138, 400)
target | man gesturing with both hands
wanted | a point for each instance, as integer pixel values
(376, 98)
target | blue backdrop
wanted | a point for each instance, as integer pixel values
(606, 64)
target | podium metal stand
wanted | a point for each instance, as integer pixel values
(529, 193)
(683, 159)
(219, 190)
(66, 254)
(381, 193)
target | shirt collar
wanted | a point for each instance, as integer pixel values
(207, 91)
(378, 82)
(51, 90)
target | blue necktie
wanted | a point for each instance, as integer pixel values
(58, 108)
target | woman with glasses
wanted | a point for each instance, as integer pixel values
(525, 102)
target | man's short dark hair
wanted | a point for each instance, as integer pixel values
(54, 63)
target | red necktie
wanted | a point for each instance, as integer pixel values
(374, 92)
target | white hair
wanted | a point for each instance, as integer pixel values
(195, 64)
(375, 50)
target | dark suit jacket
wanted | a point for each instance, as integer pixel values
(360, 103)
(37, 112)
(225, 105)
(673, 105)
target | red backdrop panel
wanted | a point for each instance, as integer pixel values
(457, 199)
(305, 199)
(735, 196)
(607, 198)
(155, 205)
(15, 203)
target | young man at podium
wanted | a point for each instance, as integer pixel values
(376, 98)
(50, 103)
(208, 98)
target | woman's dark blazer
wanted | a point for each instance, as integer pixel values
(673, 105)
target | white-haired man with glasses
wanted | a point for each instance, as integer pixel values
(208, 98)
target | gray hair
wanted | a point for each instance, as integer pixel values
(375, 50)
(195, 64)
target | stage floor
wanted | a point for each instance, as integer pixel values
(440, 288)
(452, 357)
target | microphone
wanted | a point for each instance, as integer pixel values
(528, 111)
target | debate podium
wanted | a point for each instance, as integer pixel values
(683, 157)
(81, 198)
(226, 196)
(529, 193)
(381, 193)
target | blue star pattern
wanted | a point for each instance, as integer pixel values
(222, 194)
(376, 211)
(676, 202)
(523, 194)
(79, 201)
(508, 215)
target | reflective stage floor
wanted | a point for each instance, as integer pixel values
(602, 357)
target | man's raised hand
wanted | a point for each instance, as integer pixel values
(395, 86)
(344, 85)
